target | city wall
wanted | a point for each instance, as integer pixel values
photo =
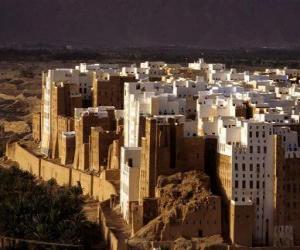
(45, 169)
(110, 237)
(51, 170)
(28, 161)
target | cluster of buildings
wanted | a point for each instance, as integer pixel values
(156, 119)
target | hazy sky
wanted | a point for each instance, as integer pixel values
(204, 23)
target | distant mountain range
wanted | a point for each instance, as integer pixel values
(140, 23)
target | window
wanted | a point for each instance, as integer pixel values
(251, 149)
(257, 134)
(250, 134)
(257, 201)
(236, 167)
(236, 184)
(251, 167)
(265, 149)
(251, 184)
(257, 184)
(244, 184)
(243, 167)
(258, 149)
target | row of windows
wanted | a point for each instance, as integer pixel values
(289, 187)
(258, 149)
(80, 84)
(166, 113)
(243, 199)
(258, 134)
(84, 90)
(257, 127)
(194, 134)
(291, 205)
(264, 141)
(250, 158)
(258, 193)
(251, 176)
(236, 167)
(250, 185)
(200, 222)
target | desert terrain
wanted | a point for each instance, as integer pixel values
(20, 93)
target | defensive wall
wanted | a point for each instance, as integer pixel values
(98, 187)
(110, 233)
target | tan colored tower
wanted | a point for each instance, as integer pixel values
(166, 151)
(110, 92)
(58, 99)
(100, 141)
(102, 117)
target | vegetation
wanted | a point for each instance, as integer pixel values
(42, 211)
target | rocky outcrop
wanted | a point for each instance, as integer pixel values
(183, 199)
(182, 192)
